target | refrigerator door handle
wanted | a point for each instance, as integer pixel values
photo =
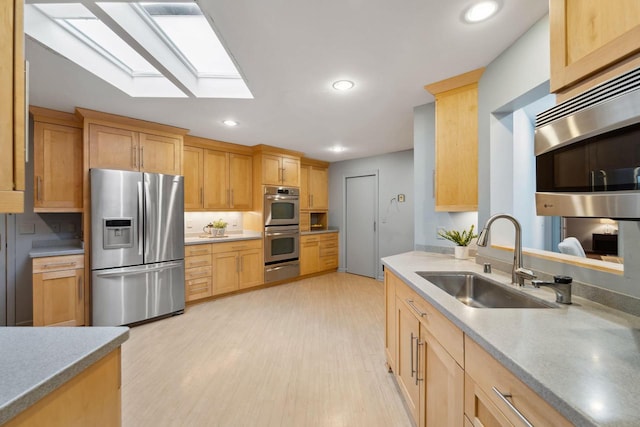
(140, 214)
(127, 271)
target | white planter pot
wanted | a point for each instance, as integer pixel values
(461, 252)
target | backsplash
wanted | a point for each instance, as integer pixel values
(194, 222)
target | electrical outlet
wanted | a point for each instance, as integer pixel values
(189, 223)
(400, 198)
(438, 231)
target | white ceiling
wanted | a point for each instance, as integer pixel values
(291, 51)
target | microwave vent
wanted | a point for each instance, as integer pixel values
(604, 92)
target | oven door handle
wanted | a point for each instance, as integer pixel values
(281, 233)
(273, 197)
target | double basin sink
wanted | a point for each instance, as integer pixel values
(477, 291)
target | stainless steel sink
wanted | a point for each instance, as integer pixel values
(478, 291)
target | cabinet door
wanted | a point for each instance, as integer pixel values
(290, 172)
(58, 298)
(457, 132)
(216, 180)
(309, 255)
(241, 181)
(479, 408)
(160, 154)
(590, 35)
(226, 266)
(113, 148)
(407, 362)
(390, 319)
(193, 177)
(12, 109)
(444, 385)
(57, 168)
(318, 185)
(305, 195)
(251, 268)
(271, 169)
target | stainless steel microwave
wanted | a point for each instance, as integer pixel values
(588, 153)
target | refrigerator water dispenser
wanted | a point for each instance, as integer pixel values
(117, 233)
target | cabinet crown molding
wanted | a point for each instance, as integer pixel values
(128, 122)
(46, 115)
(267, 149)
(455, 82)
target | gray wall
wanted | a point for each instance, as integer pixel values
(396, 221)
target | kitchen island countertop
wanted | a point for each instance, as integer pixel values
(583, 359)
(36, 361)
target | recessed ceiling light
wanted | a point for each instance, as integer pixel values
(481, 11)
(337, 149)
(343, 85)
(230, 122)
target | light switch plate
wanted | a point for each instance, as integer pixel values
(26, 228)
(401, 198)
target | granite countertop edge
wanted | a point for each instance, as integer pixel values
(330, 230)
(196, 240)
(459, 315)
(61, 250)
(56, 379)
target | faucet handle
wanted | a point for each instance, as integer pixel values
(525, 273)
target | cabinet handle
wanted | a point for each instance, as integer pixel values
(241, 264)
(60, 264)
(80, 290)
(201, 195)
(237, 264)
(198, 252)
(503, 397)
(416, 309)
(196, 263)
(413, 371)
(231, 198)
(38, 189)
(227, 202)
(418, 345)
(133, 156)
(311, 205)
(283, 174)
(142, 156)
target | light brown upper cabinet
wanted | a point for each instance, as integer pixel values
(217, 179)
(57, 161)
(591, 41)
(117, 142)
(314, 185)
(12, 107)
(277, 167)
(456, 152)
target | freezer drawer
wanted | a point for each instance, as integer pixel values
(131, 294)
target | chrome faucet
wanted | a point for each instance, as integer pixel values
(518, 272)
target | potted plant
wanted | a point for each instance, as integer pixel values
(219, 227)
(461, 239)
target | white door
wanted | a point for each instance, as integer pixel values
(361, 227)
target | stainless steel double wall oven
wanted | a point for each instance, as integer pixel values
(281, 233)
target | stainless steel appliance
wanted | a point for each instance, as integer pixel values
(588, 153)
(281, 233)
(137, 246)
(281, 206)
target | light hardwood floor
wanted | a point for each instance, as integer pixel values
(308, 353)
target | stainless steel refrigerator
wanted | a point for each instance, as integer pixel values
(137, 246)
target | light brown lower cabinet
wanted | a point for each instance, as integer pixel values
(92, 398)
(445, 377)
(220, 268)
(495, 397)
(318, 252)
(58, 291)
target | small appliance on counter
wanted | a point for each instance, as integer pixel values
(137, 246)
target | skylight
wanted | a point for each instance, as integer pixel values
(144, 49)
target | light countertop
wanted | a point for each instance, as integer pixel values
(57, 248)
(330, 230)
(583, 359)
(36, 361)
(195, 239)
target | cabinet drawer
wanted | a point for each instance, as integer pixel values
(328, 262)
(195, 273)
(57, 263)
(448, 334)
(193, 250)
(197, 288)
(239, 245)
(491, 377)
(332, 251)
(197, 261)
